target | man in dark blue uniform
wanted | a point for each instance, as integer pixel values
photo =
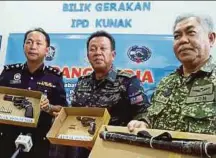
(33, 75)
(118, 91)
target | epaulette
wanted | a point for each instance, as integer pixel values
(53, 70)
(125, 74)
(13, 66)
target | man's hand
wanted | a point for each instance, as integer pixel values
(136, 124)
(56, 114)
(46, 106)
(56, 110)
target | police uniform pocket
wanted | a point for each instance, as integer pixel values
(200, 117)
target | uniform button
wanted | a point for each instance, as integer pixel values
(1, 133)
(32, 78)
(44, 138)
(29, 88)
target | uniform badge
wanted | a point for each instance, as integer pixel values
(46, 84)
(17, 79)
(201, 94)
(201, 90)
(167, 92)
(164, 96)
(136, 99)
(17, 76)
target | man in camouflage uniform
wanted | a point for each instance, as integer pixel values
(186, 99)
(120, 92)
(33, 75)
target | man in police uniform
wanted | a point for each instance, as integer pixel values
(118, 91)
(185, 100)
(33, 75)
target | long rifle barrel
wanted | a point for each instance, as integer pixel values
(190, 147)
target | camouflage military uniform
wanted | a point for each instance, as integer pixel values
(120, 92)
(186, 104)
(45, 79)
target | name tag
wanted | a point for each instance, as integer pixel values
(111, 86)
(162, 99)
(109, 90)
(84, 89)
(46, 84)
(15, 81)
(202, 98)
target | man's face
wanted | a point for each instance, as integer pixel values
(192, 42)
(35, 46)
(100, 54)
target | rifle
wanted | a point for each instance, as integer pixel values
(164, 141)
(21, 102)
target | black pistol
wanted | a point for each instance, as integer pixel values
(88, 121)
(21, 102)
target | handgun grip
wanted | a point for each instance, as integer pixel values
(29, 111)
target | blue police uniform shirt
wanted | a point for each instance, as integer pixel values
(120, 92)
(46, 79)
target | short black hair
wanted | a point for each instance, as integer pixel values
(102, 34)
(38, 30)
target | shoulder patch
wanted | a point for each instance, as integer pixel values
(125, 74)
(53, 70)
(13, 66)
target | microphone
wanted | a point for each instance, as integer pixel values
(23, 144)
